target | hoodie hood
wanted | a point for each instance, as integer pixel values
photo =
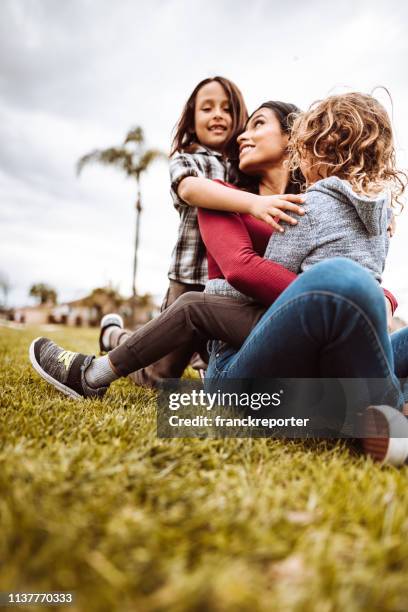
(373, 211)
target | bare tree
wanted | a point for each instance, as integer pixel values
(5, 287)
(133, 159)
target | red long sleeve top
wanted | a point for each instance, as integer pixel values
(235, 246)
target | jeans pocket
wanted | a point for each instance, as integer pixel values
(222, 354)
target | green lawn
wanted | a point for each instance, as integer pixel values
(92, 501)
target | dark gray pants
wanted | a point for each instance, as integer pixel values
(181, 328)
(172, 365)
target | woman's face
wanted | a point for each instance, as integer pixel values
(263, 144)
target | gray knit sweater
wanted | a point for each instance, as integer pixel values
(338, 223)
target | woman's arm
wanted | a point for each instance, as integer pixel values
(227, 239)
(392, 300)
(212, 194)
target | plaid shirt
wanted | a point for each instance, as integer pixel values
(188, 260)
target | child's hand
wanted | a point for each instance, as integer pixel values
(391, 227)
(266, 208)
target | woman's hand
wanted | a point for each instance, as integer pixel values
(271, 209)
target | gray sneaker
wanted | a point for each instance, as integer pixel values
(63, 369)
(109, 319)
(385, 435)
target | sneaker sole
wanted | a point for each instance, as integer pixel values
(55, 383)
(378, 443)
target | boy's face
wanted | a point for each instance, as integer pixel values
(212, 116)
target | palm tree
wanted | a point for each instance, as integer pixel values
(44, 293)
(133, 159)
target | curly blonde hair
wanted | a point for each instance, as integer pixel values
(349, 136)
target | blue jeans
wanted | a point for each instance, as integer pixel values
(399, 343)
(329, 323)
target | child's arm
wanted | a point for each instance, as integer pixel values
(304, 241)
(205, 193)
(227, 239)
(295, 246)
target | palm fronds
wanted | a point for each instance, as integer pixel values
(133, 159)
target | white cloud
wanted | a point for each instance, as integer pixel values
(76, 75)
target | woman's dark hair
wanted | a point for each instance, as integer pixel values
(285, 113)
(185, 138)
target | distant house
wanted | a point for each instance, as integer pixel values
(89, 310)
(33, 315)
(77, 313)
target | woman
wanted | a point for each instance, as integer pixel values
(262, 154)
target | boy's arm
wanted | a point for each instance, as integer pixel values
(294, 246)
(206, 193)
(299, 241)
(212, 194)
(227, 239)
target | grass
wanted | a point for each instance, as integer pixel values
(91, 501)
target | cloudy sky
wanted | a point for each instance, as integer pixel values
(76, 75)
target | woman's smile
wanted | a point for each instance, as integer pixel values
(245, 149)
(263, 143)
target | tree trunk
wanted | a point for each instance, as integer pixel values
(137, 233)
